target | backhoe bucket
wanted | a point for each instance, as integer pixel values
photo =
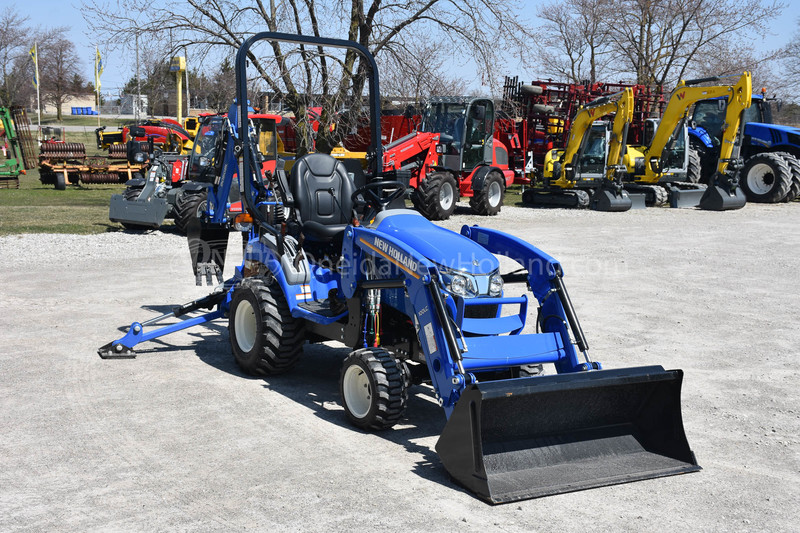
(605, 199)
(723, 195)
(524, 438)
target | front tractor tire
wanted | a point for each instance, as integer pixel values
(766, 178)
(373, 388)
(436, 196)
(265, 338)
(489, 199)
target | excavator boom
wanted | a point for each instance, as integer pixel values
(654, 164)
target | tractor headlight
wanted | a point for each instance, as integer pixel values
(459, 283)
(495, 284)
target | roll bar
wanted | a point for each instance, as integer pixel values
(241, 99)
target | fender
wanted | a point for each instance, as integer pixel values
(700, 135)
(479, 176)
(136, 182)
(193, 186)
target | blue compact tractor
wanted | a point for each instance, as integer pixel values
(420, 305)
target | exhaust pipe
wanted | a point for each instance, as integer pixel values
(512, 440)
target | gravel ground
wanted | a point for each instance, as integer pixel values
(179, 439)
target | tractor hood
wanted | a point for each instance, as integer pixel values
(439, 245)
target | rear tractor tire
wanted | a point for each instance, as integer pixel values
(694, 168)
(489, 200)
(436, 196)
(265, 338)
(189, 206)
(794, 166)
(374, 388)
(766, 178)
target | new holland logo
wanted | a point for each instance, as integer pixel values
(395, 254)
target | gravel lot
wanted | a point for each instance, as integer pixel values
(179, 439)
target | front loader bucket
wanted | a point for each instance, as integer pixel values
(516, 439)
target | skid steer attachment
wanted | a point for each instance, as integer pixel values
(517, 439)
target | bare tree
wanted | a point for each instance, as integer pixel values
(575, 43)
(59, 71)
(460, 28)
(13, 50)
(652, 42)
(418, 72)
(791, 66)
(662, 41)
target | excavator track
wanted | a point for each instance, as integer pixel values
(554, 197)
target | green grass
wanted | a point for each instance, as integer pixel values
(37, 208)
(90, 121)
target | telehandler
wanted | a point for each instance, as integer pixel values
(417, 303)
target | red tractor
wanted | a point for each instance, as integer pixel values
(457, 151)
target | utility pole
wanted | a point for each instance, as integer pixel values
(188, 98)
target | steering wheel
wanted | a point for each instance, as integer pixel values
(375, 202)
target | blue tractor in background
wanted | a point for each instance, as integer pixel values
(329, 259)
(771, 152)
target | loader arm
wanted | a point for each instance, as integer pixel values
(415, 150)
(682, 99)
(620, 103)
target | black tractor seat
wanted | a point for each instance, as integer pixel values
(322, 190)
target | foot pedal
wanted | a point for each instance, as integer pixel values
(208, 270)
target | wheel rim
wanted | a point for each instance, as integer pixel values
(357, 391)
(446, 196)
(760, 179)
(246, 327)
(494, 194)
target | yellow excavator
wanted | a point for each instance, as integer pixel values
(588, 172)
(667, 170)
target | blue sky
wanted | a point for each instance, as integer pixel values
(120, 65)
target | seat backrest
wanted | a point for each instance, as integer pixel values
(322, 187)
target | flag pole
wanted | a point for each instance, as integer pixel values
(97, 83)
(38, 99)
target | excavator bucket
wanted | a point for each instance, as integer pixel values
(524, 438)
(609, 200)
(722, 198)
